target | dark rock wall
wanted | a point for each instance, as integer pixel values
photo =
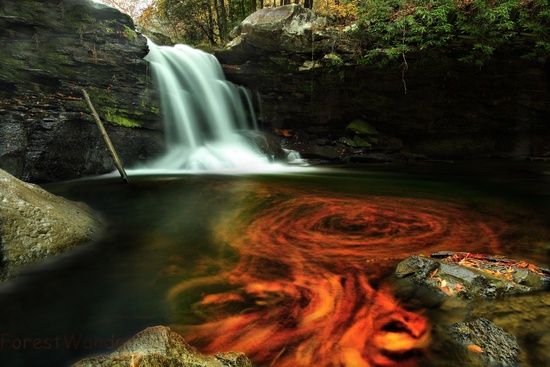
(439, 107)
(51, 49)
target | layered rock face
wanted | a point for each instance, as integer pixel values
(432, 106)
(50, 51)
(35, 224)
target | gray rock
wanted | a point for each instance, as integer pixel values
(35, 224)
(160, 347)
(487, 279)
(285, 28)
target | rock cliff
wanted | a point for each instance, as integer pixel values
(309, 89)
(50, 51)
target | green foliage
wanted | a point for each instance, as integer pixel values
(198, 22)
(390, 29)
(387, 30)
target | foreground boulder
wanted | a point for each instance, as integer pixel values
(160, 347)
(35, 224)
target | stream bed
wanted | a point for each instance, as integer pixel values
(294, 269)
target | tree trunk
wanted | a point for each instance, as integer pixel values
(222, 20)
(308, 4)
(253, 6)
(112, 151)
(211, 35)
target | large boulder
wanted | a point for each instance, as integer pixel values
(160, 347)
(35, 224)
(286, 28)
(51, 50)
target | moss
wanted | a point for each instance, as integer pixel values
(130, 33)
(113, 117)
(102, 96)
(107, 105)
(362, 127)
(360, 142)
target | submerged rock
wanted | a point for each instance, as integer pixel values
(486, 342)
(160, 347)
(35, 224)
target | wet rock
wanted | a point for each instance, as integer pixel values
(486, 342)
(265, 144)
(473, 276)
(35, 224)
(160, 347)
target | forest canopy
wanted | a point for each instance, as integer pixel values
(382, 29)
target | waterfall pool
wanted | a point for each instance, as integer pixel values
(292, 268)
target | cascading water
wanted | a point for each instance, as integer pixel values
(203, 113)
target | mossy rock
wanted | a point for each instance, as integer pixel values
(113, 117)
(362, 128)
(360, 142)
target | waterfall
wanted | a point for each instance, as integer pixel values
(202, 111)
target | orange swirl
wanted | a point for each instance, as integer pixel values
(301, 293)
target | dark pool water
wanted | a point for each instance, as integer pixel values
(292, 268)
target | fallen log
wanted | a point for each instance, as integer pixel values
(106, 138)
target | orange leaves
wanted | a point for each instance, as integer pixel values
(446, 287)
(528, 266)
(285, 132)
(475, 348)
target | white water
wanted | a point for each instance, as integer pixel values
(203, 113)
